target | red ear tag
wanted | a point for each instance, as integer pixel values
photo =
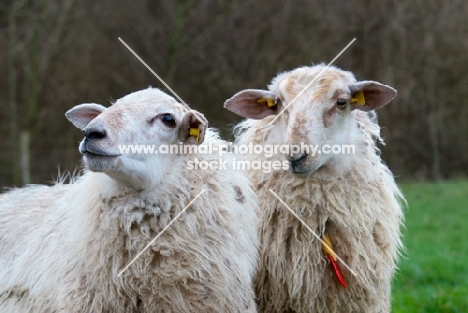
(338, 273)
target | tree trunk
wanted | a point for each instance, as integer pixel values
(12, 88)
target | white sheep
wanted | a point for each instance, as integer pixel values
(349, 199)
(62, 247)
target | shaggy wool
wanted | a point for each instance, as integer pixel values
(353, 198)
(62, 246)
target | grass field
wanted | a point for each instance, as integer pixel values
(433, 275)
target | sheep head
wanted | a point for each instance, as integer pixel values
(148, 118)
(318, 115)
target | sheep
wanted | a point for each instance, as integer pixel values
(62, 246)
(350, 201)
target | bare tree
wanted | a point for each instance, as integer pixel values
(61, 53)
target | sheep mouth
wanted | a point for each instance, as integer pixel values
(303, 170)
(93, 154)
(90, 150)
(300, 172)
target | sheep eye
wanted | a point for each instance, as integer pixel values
(168, 120)
(341, 103)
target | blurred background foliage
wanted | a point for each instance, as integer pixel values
(56, 54)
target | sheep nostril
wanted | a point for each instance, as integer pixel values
(95, 133)
(296, 157)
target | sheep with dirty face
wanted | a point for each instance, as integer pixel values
(350, 201)
(63, 246)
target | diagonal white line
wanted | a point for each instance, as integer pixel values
(160, 233)
(313, 233)
(313, 80)
(153, 72)
(160, 79)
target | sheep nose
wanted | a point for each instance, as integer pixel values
(296, 159)
(94, 133)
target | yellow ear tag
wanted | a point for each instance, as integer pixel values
(195, 132)
(270, 102)
(358, 98)
(328, 248)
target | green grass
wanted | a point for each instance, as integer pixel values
(433, 274)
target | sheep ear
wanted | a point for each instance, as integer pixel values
(253, 103)
(193, 128)
(370, 95)
(81, 115)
